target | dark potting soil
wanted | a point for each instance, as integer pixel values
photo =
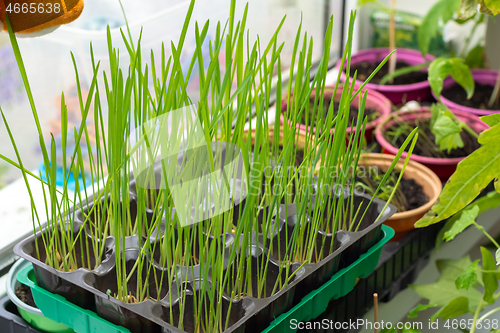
(369, 113)
(414, 196)
(299, 154)
(24, 294)
(373, 147)
(365, 69)
(470, 144)
(479, 100)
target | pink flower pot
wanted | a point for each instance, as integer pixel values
(482, 76)
(374, 100)
(397, 94)
(443, 167)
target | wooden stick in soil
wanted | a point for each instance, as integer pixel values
(375, 309)
(392, 40)
(495, 94)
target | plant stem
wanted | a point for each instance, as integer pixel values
(392, 40)
(476, 315)
(494, 96)
(468, 129)
(480, 227)
(488, 314)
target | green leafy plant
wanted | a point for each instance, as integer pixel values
(444, 126)
(463, 287)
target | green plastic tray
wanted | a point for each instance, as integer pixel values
(314, 304)
(60, 310)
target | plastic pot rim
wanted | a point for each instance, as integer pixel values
(402, 54)
(479, 75)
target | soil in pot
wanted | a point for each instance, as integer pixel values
(409, 194)
(24, 294)
(426, 145)
(299, 154)
(365, 69)
(479, 100)
(373, 147)
(369, 113)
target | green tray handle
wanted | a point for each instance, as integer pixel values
(60, 310)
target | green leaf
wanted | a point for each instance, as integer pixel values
(468, 278)
(421, 307)
(447, 133)
(410, 330)
(467, 217)
(492, 119)
(473, 174)
(454, 308)
(462, 75)
(451, 142)
(497, 256)
(489, 279)
(450, 269)
(475, 57)
(443, 292)
(440, 13)
(440, 68)
(489, 7)
(468, 8)
(447, 226)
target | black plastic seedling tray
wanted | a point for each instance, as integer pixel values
(88, 288)
(254, 314)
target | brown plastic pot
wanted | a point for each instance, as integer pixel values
(403, 222)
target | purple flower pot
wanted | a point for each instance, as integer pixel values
(374, 100)
(397, 94)
(482, 76)
(443, 167)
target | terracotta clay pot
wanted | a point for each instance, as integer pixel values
(403, 222)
